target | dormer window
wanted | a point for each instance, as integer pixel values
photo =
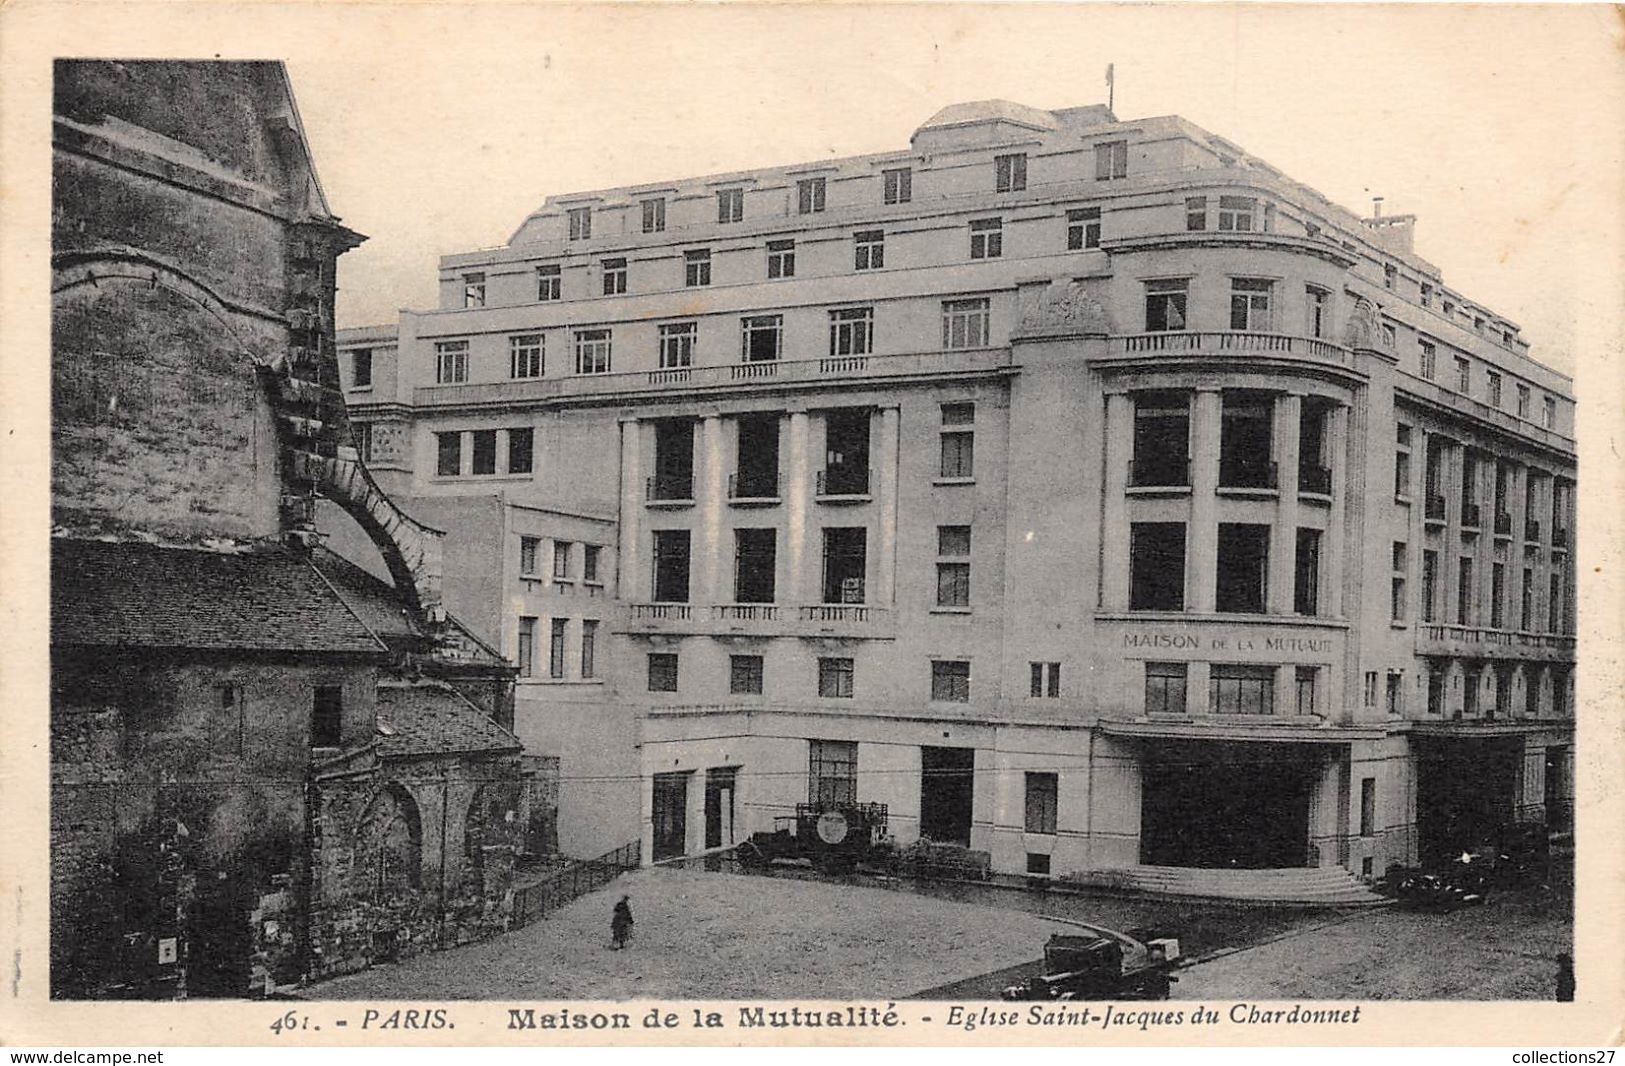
(580, 223)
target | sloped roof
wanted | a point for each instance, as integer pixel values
(138, 595)
(434, 720)
(991, 111)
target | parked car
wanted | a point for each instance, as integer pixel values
(1101, 964)
(833, 837)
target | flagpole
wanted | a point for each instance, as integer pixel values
(1111, 86)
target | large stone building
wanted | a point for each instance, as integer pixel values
(1087, 491)
(266, 764)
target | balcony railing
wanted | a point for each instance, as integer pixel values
(1470, 516)
(1429, 633)
(1246, 474)
(1503, 524)
(752, 487)
(843, 481)
(745, 612)
(775, 372)
(1531, 529)
(1159, 473)
(834, 612)
(1312, 477)
(1435, 508)
(1232, 344)
(670, 488)
(667, 612)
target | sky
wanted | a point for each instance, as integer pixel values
(1476, 119)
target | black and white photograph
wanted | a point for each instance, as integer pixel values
(972, 514)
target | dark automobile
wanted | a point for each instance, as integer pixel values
(1101, 964)
(834, 837)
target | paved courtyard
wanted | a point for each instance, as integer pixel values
(727, 936)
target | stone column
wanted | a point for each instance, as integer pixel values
(1202, 536)
(712, 484)
(799, 531)
(885, 459)
(1284, 535)
(629, 554)
(1333, 564)
(1114, 510)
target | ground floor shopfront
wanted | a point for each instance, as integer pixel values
(1051, 800)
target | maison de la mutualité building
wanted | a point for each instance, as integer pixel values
(1085, 490)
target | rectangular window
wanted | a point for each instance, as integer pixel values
(529, 547)
(525, 356)
(1464, 591)
(1157, 566)
(755, 563)
(580, 223)
(1161, 439)
(671, 566)
(1010, 172)
(1238, 688)
(1250, 304)
(869, 249)
(1045, 680)
(1304, 683)
(592, 351)
(1195, 213)
(1464, 376)
(846, 453)
(697, 268)
(986, 238)
(1492, 388)
(852, 331)
(1306, 573)
(614, 274)
(654, 215)
(730, 205)
(1246, 441)
(589, 649)
(1243, 569)
(662, 671)
(761, 338)
(1370, 688)
(965, 323)
(526, 659)
(1402, 463)
(1368, 806)
(1396, 590)
(485, 451)
(1236, 213)
(562, 550)
(898, 185)
(1523, 401)
(781, 259)
(327, 717)
(950, 680)
(1165, 688)
(832, 771)
(451, 362)
(1429, 359)
(1526, 602)
(809, 196)
(1427, 295)
(1390, 274)
(845, 563)
(361, 368)
(473, 290)
(589, 563)
(549, 282)
(953, 566)
(1318, 312)
(1430, 584)
(1165, 304)
(835, 678)
(674, 460)
(677, 345)
(1042, 791)
(521, 450)
(1396, 692)
(758, 456)
(1554, 604)
(448, 454)
(1548, 412)
(555, 648)
(1111, 160)
(745, 675)
(1082, 228)
(1498, 581)
(958, 440)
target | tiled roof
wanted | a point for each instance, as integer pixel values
(138, 595)
(376, 603)
(434, 719)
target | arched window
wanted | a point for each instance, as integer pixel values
(393, 841)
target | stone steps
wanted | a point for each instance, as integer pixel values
(1325, 886)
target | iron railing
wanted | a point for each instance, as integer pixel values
(1503, 524)
(1159, 473)
(670, 487)
(1435, 507)
(843, 481)
(1246, 474)
(753, 486)
(1312, 477)
(571, 882)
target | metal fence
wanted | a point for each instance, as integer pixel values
(571, 882)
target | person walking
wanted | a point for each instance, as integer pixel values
(620, 924)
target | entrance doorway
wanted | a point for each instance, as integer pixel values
(1465, 792)
(719, 806)
(1226, 805)
(947, 794)
(670, 815)
(1559, 808)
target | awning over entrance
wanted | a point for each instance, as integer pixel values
(1239, 728)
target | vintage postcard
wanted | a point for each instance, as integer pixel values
(775, 524)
